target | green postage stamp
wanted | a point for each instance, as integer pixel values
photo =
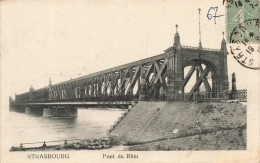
(242, 21)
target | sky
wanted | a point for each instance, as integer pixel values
(68, 39)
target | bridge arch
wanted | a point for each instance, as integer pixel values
(200, 71)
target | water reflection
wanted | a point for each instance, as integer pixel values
(90, 123)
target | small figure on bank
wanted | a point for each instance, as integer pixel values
(234, 88)
(65, 143)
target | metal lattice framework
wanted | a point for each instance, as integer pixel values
(119, 83)
(159, 77)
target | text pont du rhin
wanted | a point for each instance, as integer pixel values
(113, 156)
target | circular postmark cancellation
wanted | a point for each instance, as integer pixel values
(246, 54)
(244, 44)
(248, 31)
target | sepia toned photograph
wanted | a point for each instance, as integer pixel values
(138, 81)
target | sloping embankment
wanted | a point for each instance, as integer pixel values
(180, 126)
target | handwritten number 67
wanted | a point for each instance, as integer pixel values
(209, 15)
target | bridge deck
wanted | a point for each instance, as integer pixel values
(78, 103)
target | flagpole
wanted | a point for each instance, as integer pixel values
(200, 46)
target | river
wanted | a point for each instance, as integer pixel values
(90, 123)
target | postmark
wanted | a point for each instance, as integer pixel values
(243, 19)
(246, 54)
(247, 31)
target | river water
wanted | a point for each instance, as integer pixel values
(90, 123)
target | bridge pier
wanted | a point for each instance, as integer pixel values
(34, 110)
(60, 111)
(20, 109)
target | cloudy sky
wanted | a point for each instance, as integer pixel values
(68, 39)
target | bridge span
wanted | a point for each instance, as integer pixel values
(161, 77)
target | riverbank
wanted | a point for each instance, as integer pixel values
(85, 144)
(183, 126)
(152, 126)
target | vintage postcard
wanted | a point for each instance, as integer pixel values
(130, 81)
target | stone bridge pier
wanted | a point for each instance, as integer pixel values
(47, 111)
(37, 110)
(60, 111)
(19, 109)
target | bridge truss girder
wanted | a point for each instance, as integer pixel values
(122, 84)
(157, 77)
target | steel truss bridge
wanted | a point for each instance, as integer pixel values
(159, 77)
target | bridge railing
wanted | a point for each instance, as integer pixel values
(207, 96)
(192, 47)
(240, 95)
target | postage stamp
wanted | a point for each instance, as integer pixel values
(242, 21)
